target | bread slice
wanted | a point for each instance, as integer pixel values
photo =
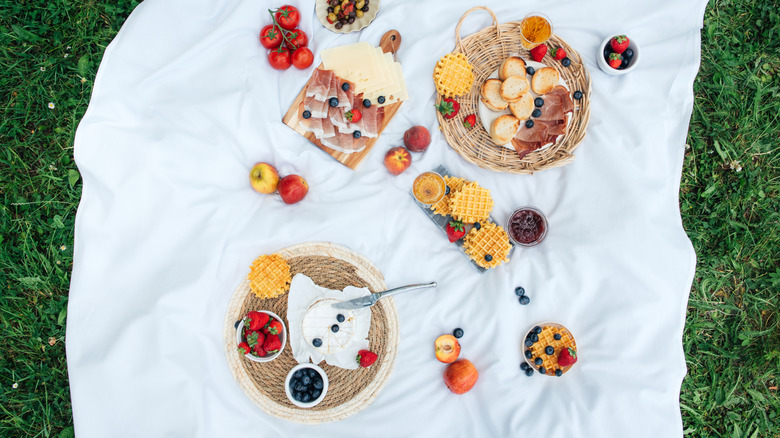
(523, 108)
(504, 128)
(545, 79)
(512, 66)
(491, 96)
(514, 87)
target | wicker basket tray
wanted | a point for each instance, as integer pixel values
(486, 50)
(333, 267)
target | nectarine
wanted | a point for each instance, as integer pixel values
(417, 138)
(460, 376)
(447, 348)
(397, 160)
(292, 188)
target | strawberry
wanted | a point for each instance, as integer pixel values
(560, 54)
(366, 358)
(567, 357)
(448, 108)
(353, 115)
(272, 344)
(455, 230)
(470, 121)
(275, 327)
(253, 338)
(615, 60)
(243, 348)
(258, 350)
(619, 43)
(538, 52)
(256, 320)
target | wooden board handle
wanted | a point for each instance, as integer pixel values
(390, 41)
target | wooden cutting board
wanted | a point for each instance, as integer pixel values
(389, 44)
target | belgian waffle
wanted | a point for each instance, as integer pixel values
(453, 75)
(471, 203)
(547, 338)
(443, 206)
(269, 276)
(488, 246)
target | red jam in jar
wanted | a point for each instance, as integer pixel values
(527, 226)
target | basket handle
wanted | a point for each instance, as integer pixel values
(460, 23)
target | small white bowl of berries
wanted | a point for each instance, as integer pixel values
(261, 336)
(618, 55)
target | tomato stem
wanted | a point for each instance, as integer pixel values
(280, 28)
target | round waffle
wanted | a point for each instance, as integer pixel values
(491, 242)
(547, 338)
(269, 276)
(453, 75)
(471, 203)
(443, 206)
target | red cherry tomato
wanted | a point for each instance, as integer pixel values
(270, 37)
(280, 58)
(288, 17)
(297, 38)
(302, 58)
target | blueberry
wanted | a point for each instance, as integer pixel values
(529, 123)
(539, 101)
(530, 70)
(558, 372)
(334, 328)
(306, 114)
(293, 383)
(340, 318)
(334, 101)
(298, 374)
(534, 337)
(557, 336)
(446, 190)
(477, 225)
(299, 387)
(458, 332)
(345, 86)
(315, 394)
(537, 330)
(310, 372)
(607, 51)
(523, 366)
(317, 384)
(528, 353)
(542, 370)
(549, 350)
(297, 395)
(488, 257)
(317, 342)
(529, 372)
(519, 291)
(536, 113)
(366, 103)
(624, 63)
(528, 342)
(524, 300)
(578, 95)
(566, 61)
(356, 134)
(538, 361)
(380, 99)
(305, 397)
(306, 380)
(628, 53)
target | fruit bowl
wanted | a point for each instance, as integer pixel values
(297, 376)
(282, 337)
(544, 333)
(632, 44)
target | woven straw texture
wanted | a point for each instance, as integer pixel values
(486, 50)
(333, 267)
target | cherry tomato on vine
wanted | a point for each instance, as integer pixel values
(279, 58)
(270, 37)
(288, 17)
(302, 58)
(296, 38)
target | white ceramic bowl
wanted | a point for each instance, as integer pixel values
(324, 385)
(268, 358)
(632, 44)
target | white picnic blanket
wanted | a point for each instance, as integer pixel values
(185, 103)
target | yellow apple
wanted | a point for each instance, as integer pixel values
(264, 178)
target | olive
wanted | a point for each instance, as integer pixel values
(343, 20)
(351, 20)
(339, 25)
(337, 9)
(332, 17)
(365, 8)
(344, 4)
(360, 4)
(366, 2)
(359, 13)
(334, 2)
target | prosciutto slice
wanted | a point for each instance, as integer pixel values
(319, 85)
(565, 98)
(317, 108)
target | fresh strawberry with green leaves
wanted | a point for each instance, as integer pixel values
(619, 43)
(256, 320)
(455, 230)
(258, 350)
(469, 121)
(253, 338)
(567, 356)
(448, 108)
(244, 348)
(272, 344)
(353, 115)
(274, 327)
(615, 59)
(538, 52)
(559, 54)
(366, 358)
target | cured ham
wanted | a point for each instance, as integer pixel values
(319, 86)
(317, 108)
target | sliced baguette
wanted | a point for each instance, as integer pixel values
(544, 80)
(503, 129)
(523, 108)
(514, 87)
(512, 66)
(491, 95)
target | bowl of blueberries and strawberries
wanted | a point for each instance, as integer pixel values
(306, 385)
(619, 56)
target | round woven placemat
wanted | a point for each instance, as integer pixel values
(486, 50)
(333, 267)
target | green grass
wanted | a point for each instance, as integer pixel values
(49, 52)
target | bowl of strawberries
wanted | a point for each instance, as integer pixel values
(261, 336)
(618, 55)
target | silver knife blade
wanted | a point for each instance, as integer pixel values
(357, 303)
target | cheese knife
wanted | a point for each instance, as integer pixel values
(371, 299)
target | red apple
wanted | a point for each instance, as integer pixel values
(417, 138)
(460, 376)
(264, 178)
(397, 160)
(292, 188)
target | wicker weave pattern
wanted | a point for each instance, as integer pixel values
(333, 267)
(486, 50)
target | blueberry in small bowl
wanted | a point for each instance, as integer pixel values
(306, 385)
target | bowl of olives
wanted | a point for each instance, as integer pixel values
(306, 385)
(343, 16)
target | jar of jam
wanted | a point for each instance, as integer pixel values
(527, 226)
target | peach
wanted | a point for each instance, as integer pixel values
(397, 160)
(417, 138)
(460, 376)
(447, 348)
(264, 178)
(293, 188)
